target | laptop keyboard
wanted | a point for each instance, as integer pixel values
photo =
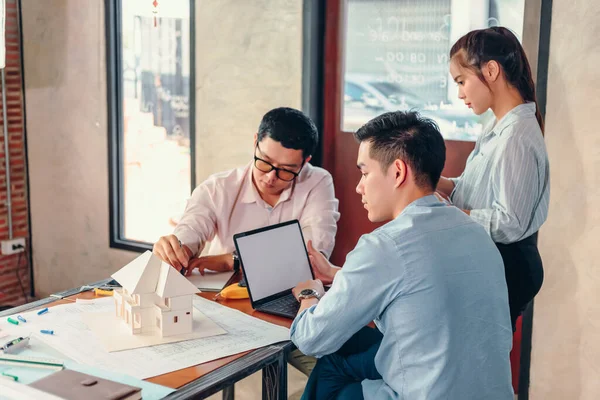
(286, 304)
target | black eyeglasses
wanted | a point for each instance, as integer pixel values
(265, 166)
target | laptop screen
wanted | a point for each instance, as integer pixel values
(274, 259)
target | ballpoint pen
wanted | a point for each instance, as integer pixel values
(183, 269)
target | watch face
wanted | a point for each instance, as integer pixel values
(306, 292)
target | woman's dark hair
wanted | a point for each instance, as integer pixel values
(501, 45)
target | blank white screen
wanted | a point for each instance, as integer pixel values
(274, 260)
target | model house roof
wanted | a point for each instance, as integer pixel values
(148, 273)
(172, 284)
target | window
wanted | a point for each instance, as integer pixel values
(396, 58)
(250, 62)
(150, 56)
(175, 319)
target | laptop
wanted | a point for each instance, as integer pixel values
(274, 260)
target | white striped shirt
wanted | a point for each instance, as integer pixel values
(506, 182)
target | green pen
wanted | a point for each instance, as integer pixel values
(13, 321)
(14, 377)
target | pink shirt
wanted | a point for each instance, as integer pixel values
(228, 203)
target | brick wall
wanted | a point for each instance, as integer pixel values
(14, 266)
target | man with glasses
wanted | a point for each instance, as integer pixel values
(278, 185)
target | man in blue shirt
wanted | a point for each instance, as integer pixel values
(431, 279)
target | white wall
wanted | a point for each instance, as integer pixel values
(181, 302)
(67, 143)
(249, 60)
(566, 331)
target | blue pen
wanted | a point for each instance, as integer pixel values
(45, 310)
(47, 331)
(21, 318)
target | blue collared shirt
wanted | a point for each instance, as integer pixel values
(433, 282)
(506, 182)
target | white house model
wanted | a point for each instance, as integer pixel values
(155, 297)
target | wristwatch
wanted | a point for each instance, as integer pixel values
(236, 260)
(309, 294)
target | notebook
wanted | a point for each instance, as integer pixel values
(70, 384)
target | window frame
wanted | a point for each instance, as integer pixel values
(313, 68)
(114, 81)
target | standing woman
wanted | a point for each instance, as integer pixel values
(505, 184)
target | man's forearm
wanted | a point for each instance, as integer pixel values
(307, 303)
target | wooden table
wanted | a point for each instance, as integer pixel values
(203, 380)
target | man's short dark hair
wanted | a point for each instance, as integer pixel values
(290, 127)
(410, 137)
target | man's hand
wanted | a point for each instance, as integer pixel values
(169, 249)
(323, 269)
(220, 263)
(316, 284)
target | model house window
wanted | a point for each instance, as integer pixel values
(396, 58)
(175, 319)
(151, 114)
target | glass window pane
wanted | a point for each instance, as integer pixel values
(155, 84)
(396, 58)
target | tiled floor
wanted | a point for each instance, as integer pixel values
(251, 387)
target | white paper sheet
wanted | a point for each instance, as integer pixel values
(211, 281)
(27, 375)
(115, 336)
(73, 338)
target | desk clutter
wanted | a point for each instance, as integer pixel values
(152, 324)
(79, 348)
(68, 384)
(35, 369)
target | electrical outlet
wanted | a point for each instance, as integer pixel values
(13, 246)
